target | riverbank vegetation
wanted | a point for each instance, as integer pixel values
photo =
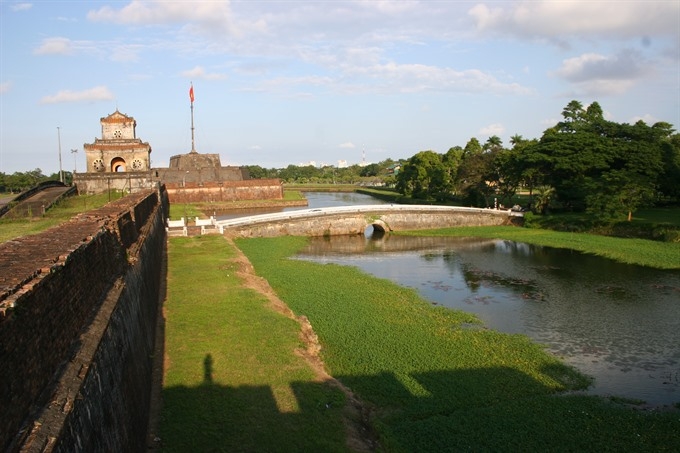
(584, 163)
(630, 251)
(436, 380)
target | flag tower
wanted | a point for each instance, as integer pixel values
(191, 98)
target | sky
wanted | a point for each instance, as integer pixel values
(297, 82)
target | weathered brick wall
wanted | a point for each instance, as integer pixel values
(78, 308)
(254, 189)
(130, 181)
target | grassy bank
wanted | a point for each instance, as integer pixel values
(233, 380)
(437, 382)
(57, 214)
(661, 255)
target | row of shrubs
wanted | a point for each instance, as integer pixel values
(624, 229)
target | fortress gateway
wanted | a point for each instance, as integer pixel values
(121, 161)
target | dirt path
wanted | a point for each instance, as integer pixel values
(360, 436)
(357, 415)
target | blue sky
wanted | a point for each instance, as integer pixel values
(292, 82)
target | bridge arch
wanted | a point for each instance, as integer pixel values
(378, 227)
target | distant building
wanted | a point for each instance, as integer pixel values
(119, 149)
(120, 161)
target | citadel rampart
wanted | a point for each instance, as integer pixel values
(254, 189)
(78, 310)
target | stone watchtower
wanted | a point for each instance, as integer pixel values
(119, 149)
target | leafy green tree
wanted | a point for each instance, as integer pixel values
(425, 176)
(605, 168)
(635, 167)
(474, 171)
(669, 185)
(452, 160)
(528, 163)
(472, 147)
(493, 144)
(370, 170)
(257, 172)
(572, 155)
(544, 196)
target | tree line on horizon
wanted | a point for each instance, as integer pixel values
(23, 180)
(584, 163)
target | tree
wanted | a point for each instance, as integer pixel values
(472, 147)
(257, 172)
(670, 152)
(425, 176)
(474, 171)
(633, 172)
(493, 143)
(370, 170)
(533, 166)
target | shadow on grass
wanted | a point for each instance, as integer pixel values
(497, 409)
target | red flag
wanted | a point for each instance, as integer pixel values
(191, 93)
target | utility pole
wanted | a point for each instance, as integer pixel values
(75, 163)
(61, 172)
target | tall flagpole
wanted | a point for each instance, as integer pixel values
(191, 98)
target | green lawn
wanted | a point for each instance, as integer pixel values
(437, 382)
(669, 216)
(233, 381)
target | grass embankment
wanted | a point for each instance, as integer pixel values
(661, 255)
(233, 381)
(436, 382)
(57, 214)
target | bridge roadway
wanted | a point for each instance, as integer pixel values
(345, 220)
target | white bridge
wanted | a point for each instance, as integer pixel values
(346, 220)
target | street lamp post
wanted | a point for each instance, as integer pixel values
(61, 172)
(75, 163)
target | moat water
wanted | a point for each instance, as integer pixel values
(618, 323)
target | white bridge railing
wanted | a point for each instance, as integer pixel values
(372, 208)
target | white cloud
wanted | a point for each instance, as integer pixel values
(204, 17)
(5, 86)
(549, 18)
(492, 129)
(21, 6)
(348, 145)
(199, 72)
(255, 147)
(100, 93)
(389, 6)
(626, 65)
(55, 46)
(595, 74)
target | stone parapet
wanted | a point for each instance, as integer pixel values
(78, 306)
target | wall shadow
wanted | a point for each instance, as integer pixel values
(456, 410)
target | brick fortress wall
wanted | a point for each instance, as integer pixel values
(78, 310)
(252, 189)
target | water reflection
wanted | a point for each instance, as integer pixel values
(615, 322)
